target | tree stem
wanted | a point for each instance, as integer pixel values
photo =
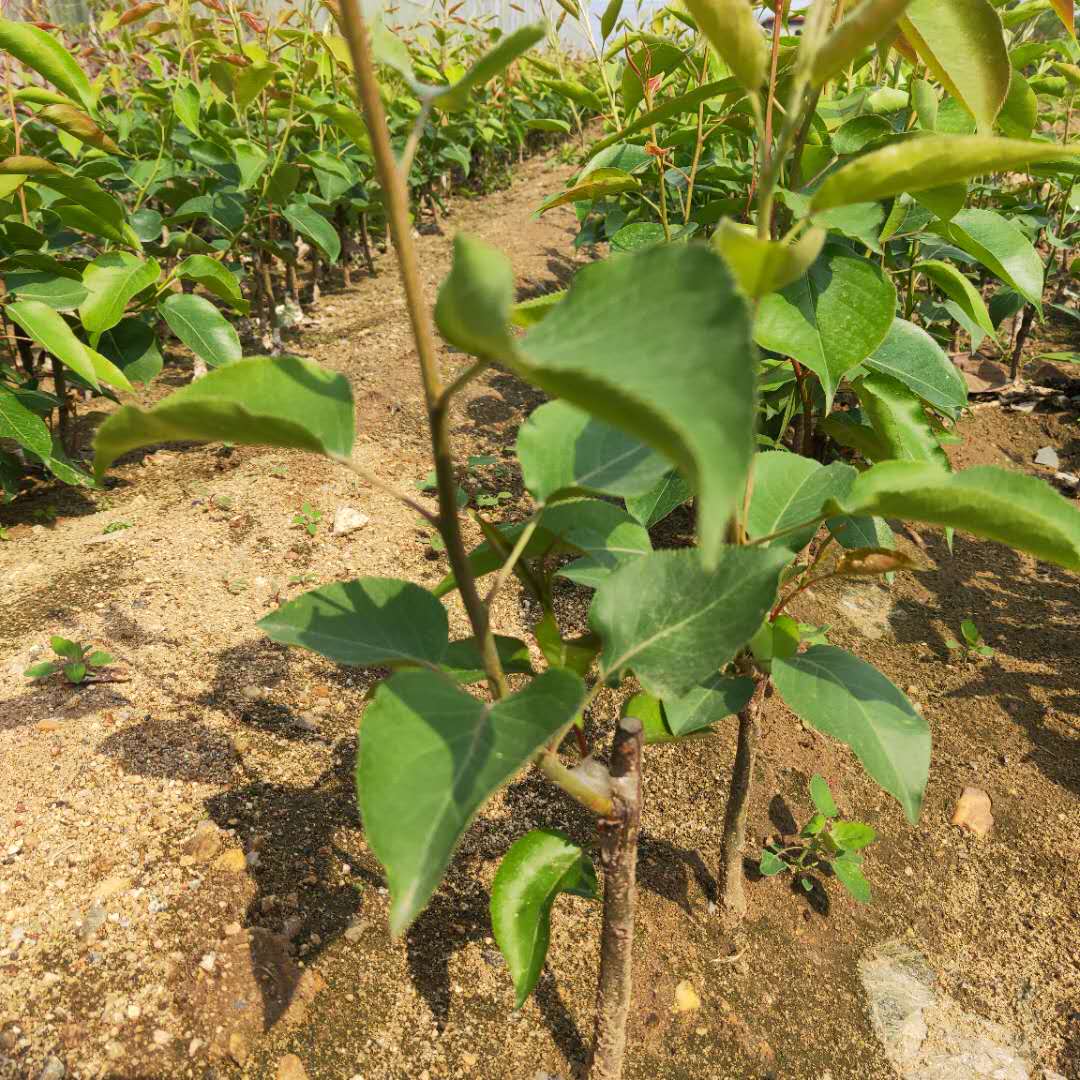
(1021, 337)
(733, 895)
(618, 837)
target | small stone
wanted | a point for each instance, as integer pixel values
(290, 1067)
(686, 997)
(133, 1012)
(253, 693)
(208, 961)
(50, 725)
(232, 860)
(111, 887)
(232, 929)
(92, 921)
(305, 722)
(1068, 480)
(238, 1048)
(114, 1050)
(347, 520)
(195, 1046)
(162, 1037)
(973, 811)
(54, 1070)
(469, 1060)
(354, 934)
(205, 842)
(1048, 456)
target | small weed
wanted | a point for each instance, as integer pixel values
(826, 840)
(222, 502)
(76, 661)
(973, 643)
(116, 526)
(4, 534)
(279, 472)
(308, 519)
(46, 515)
(236, 586)
(308, 577)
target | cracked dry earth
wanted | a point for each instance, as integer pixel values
(185, 890)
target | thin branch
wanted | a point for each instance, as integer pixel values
(389, 489)
(516, 552)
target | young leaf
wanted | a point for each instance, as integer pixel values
(999, 504)
(770, 864)
(42, 52)
(214, 277)
(611, 17)
(430, 755)
(23, 424)
(76, 672)
(763, 266)
(99, 658)
(266, 401)
(791, 490)
(600, 184)
(976, 74)
(865, 26)
(562, 448)
(133, 346)
(830, 319)
(674, 622)
(111, 280)
(492, 63)
(910, 355)
(821, 796)
(539, 866)
(464, 664)
(75, 122)
(598, 349)
(734, 33)
(847, 698)
(202, 328)
(369, 622)
(923, 162)
(186, 107)
(958, 289)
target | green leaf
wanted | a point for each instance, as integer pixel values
(912, 356)
(850, 875)
(430, 755)
(76, 123)
(111, 280)
(958, 289)
(770, 864)
(732, 30)
(42, 670)
(668, 495)
(132, 346)
(186, 107)
(202, 328)
(577, 655)
(369, 622)
(922, 162)
(266, 401)
(492, 63)
(22, 424)
(62, 646)
(600, 184)
(315, 227)
(852, 835)
(763, 266)
(605, 534)
(251, 81)
(865, 26)
(610, 18)
(50, 331)
(75, 672)
(924, 101)
(821, 796)
(860, 132)
(251, 161)
(575, 92)
(1020, 112)
(599, 350)
(998, 504)
(464, 664)
(562, 448)
(1001, 247)
(548, 123)
(214, 277)
(99, 658)
(963, 45)
(714, 699)
(57, 291)
(791, 490)
(539, 866)
(830, 319)
(861, 532)
(898, 417)
(42, 52)
(847, 698)
(674, 622)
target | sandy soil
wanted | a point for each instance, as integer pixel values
(185, 890)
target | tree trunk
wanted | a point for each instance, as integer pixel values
(618, 838)
(63, 410)
(733, 895)
(1021, 338)
(365, 243)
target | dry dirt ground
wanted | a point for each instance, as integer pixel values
(185, 890)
